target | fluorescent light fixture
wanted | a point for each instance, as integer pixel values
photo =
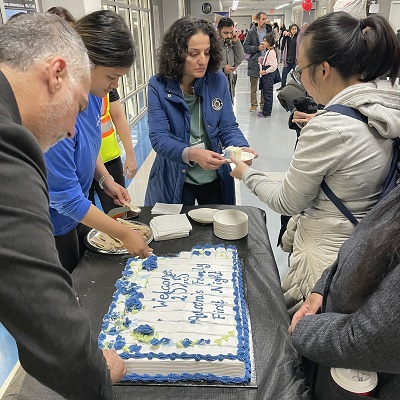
(281, 6)
(235, 3)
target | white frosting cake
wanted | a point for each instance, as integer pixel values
(181, 318)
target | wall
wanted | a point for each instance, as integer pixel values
(78, 8)
(196, 11)
(171, 11)
(243, 22)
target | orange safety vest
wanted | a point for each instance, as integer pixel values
(109, 149)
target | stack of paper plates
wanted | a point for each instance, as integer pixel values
(230, 224)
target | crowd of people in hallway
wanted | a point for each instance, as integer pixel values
(341, 288)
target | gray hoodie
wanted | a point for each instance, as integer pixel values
(353, 157)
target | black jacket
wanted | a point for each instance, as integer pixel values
(38, 306)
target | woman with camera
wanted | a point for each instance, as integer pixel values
(340, 62)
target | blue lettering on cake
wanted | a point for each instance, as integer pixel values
(219, 309)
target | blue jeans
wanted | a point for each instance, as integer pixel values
(285, 72)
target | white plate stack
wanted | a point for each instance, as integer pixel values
(230, 224)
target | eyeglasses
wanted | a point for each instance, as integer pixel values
(296, 73)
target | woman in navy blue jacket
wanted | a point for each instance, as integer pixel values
(191, 119)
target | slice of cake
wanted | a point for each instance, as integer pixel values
(232, 151)
(181, 318)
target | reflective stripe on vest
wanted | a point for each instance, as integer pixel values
(109, 149)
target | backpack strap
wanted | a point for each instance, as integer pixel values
(353, 113)
(349, 111)
(338, 203)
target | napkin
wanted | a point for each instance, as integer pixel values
(164, 208)
(170, 227)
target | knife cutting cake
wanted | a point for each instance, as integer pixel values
(181, 318)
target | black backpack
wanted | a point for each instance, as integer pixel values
(393, 178)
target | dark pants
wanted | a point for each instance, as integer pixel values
(209, 193)
(267, 82)
(115, 169)
(285, 72)
(71, 246)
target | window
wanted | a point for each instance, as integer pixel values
(133, 86)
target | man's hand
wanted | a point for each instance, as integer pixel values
(311, 306)
(229, 69)
(116, 365)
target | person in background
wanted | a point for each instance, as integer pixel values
(232, 52)
(268, 65)
(276, 32)
(241, 36)
(282, 30)
(253, 45)
(113, 122)
(351, 156)
(269, 26)
(191, 119)
(351, 319)
(73, 163)
(62, 13)
(44, 81)
(289, 52)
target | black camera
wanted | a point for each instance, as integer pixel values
(306, 105)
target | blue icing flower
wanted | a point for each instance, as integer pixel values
(144, 330)
(102, 336)
(105, 326)
(113, 331)
(165, 341)
(209, 246)
(150, 263)
(231, 247)
(126, 274)
(112, 306)
(134, 348)
(127, 322)
(198, 247)
(154, 342)
(186, 342)
(125, 355)
(195, 252)
(133, 303)
(119, 343)
(207, 253)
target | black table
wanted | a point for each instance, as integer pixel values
(277, 364)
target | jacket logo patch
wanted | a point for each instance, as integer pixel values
(217, 104)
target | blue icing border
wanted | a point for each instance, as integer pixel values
(243, 350)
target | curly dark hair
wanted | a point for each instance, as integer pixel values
(173, 51)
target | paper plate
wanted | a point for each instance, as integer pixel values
(246, 156)
(202, 215)
(98, 241)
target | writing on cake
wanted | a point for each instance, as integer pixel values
(181, 318)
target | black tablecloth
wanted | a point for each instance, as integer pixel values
(277, 363)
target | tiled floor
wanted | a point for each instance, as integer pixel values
(270, 137)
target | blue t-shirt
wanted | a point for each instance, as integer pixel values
(71, 164)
